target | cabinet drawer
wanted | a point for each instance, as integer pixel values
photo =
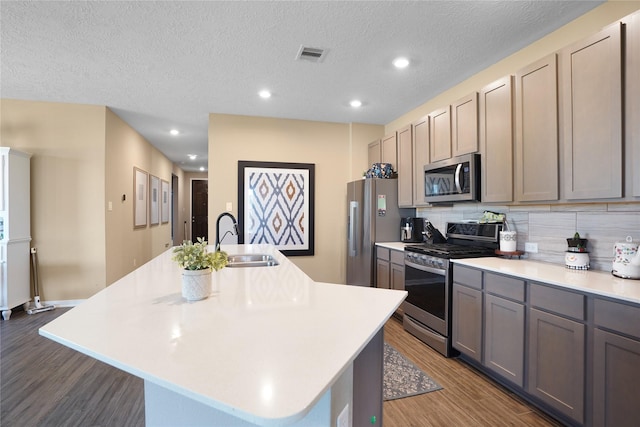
(558, 301)
(382, 253)
(617, 316)
(504, 286)
(397, 257)
(467, 276)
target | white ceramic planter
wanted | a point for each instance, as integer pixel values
(196, 284)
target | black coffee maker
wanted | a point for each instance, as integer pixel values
(411, 229)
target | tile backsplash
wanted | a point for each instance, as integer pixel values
(550, 225)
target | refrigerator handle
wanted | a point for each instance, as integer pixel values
(353, 217)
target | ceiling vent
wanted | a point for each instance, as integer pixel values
(312, 54)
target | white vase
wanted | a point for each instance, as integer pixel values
(196, 284)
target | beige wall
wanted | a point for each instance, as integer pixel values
(582, 27)
(83, 158)
(67, 191)
(126, 247)
(327, 145)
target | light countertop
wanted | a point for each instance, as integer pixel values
(264, 347)
(591, 281)
(396, 246)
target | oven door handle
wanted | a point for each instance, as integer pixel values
(438, 271)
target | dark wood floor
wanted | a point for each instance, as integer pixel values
(46, 384)
(43, 383)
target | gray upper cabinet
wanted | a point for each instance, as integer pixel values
(536, 137)
(375, 152)
(496, 140)
(632, 98)
(464, 125)
(405, 167)
(440, 135)
(420, 158)
(390, 150)
(591, 108)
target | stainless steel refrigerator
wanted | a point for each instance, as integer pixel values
(373, 216)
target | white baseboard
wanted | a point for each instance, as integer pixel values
(64, 303)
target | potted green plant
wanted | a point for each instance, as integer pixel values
(577, 244)
(197, 263)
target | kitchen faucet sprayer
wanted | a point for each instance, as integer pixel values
(235, 228)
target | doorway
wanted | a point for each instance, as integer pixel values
(199, 209)
(175, 226)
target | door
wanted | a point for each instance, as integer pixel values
(199, 209)
(177, 235)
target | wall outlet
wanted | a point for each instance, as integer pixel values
(531, 247)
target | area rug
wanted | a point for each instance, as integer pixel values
(402, 378)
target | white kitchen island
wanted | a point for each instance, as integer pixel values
(268, 347)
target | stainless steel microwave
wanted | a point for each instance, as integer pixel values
(453, 180)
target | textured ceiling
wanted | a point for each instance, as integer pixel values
(165, 64)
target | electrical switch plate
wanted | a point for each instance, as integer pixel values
(229, 206)
(343, 418)
(110, 207)
(531, 247)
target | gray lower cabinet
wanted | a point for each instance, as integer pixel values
(532, 337)
(467, 311)
(383, 267)
(396, 273)
(389, 268)
(504, 326)
(467, 321)
(556, 362)
(616, 364)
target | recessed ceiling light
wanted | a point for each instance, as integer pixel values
(356, 103)
(201, 168)
(192, 156)
(401, 62)
(264, 94)
(174, 132)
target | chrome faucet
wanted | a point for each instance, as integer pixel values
(235, 228)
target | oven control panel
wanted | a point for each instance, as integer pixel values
(426, 260)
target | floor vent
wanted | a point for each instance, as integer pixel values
(312, 54)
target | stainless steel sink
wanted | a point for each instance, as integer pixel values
(251, 260)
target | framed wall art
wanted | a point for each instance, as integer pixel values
(140, 196)
(164, 201)
(154, 200)
(276, 205)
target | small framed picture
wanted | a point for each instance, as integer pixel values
(140, 196)
(154, 201)
(164, 201)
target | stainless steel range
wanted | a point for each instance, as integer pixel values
(429, 279)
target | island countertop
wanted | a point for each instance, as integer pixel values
(264, 347)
